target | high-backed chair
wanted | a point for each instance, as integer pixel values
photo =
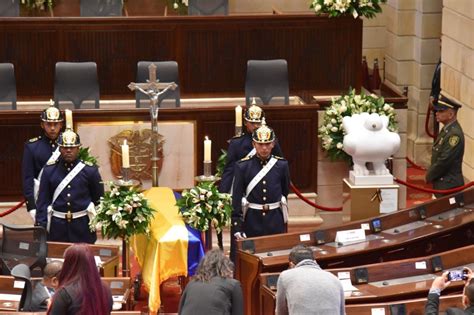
(266, 79)
(76, 82)
(101, 7)
(208, 7)
(10, 8)
(7, 86)
(22, 273)
(23, 245)
(166, 71)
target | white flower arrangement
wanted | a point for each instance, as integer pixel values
(331, 131)
(204, 205)
(335, 8)
(122, 212)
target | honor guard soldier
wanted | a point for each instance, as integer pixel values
(37, 152)
(69, 189)
(445, 171)
(261, 185)
(241, 146)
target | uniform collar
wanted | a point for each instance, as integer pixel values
(263, 161)
(69, 165)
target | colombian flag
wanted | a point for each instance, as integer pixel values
(173, 249)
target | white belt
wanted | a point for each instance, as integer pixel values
(268, 206)
(71, 215)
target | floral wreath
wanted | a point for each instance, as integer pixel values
(203, 205)
(336, 8)
(122, 212)
(331, 131)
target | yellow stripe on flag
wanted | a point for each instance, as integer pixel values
(165, 253)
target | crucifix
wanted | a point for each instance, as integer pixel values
(153, 88)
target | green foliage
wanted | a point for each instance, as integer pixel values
(331, 131)
(221, 161)
(122, 212)
(85, 155)
(204, 204)
(356, 8)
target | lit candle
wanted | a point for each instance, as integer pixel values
(68, 119)
(238, 116)
(125, 155)
(207, 150)
(51, 102)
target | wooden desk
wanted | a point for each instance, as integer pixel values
(109, 255)
(10, 293)
(388, 281)
(443, 229)
(121, 291)
(297, 125)
(411, 306)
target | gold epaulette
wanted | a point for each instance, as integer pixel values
(278, 157)
(246, 158)
(34, 139)
(52, 162)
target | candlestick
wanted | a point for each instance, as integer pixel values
(238, 116)
(207, 150)
(68, 119)
(125, 155)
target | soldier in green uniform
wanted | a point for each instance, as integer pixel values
(445, 171)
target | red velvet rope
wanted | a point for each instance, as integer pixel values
(427, 122)
(435, 191)
(415, 165)
(298, 193)
(7, 212)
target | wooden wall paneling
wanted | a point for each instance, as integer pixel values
(212, 52)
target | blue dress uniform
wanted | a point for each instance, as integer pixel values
(264, 213)
(85, 188)
(445, 171)
(241, 146)
(36, 153)
(238, 149)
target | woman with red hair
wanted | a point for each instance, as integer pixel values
(80, 291)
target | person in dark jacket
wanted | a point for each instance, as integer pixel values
(445, 171)
(441, 283)
(80, 291)
(261, 187)
(38, 151)
(44, 290)
(69, 189)
(213, 290)
(242, 146)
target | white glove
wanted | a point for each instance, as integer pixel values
(240, 236)
(33, 214)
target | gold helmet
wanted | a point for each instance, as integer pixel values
(69, 139)
(51, 114)
(263, 134)
(254, 113)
